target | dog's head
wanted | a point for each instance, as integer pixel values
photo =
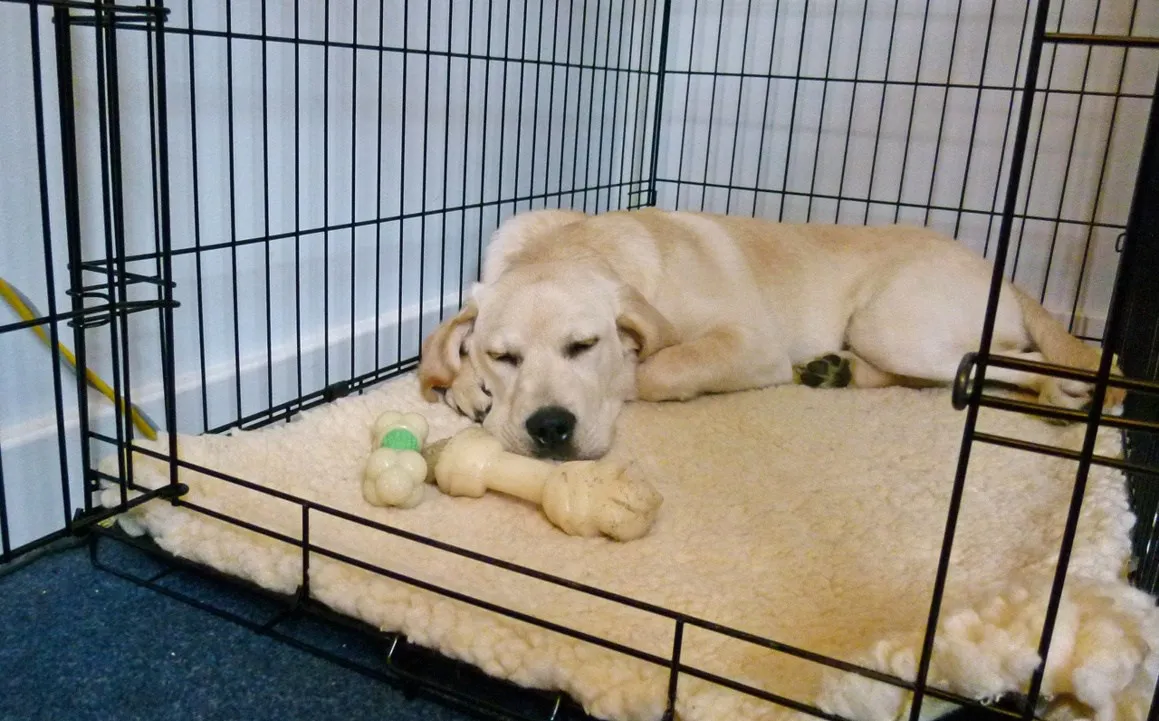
(556, 344)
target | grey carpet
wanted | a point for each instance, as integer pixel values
(79, 643)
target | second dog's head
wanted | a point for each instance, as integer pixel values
(556, 345)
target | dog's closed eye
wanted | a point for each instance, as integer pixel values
(579, 347)
(506, 358)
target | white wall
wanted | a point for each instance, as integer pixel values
(591, 129)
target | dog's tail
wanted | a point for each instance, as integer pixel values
(1057, 345)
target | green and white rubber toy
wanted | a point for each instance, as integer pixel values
(396, 472)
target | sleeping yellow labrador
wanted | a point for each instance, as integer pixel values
(576, 314)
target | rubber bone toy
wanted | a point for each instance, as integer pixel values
(582, 498)
(396, 472)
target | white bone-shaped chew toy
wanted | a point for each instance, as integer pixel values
(582, 498)
(396, 471)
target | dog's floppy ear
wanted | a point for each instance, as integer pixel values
(643, 325)
(442, 351)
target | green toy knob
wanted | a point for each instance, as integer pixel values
(400, 439)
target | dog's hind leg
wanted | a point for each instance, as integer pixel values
(725, 359)
(926, 342)
(845, 369)
(928, 314)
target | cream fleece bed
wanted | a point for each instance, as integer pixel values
(812, 517)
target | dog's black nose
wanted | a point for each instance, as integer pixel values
(551, 427)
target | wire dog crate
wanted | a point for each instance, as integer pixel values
(236, 211)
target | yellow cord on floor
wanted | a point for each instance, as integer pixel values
(27, 311)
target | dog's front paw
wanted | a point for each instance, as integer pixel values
(656, 382)
(827, 371)
(469, 396)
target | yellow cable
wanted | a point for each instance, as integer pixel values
(28, 312)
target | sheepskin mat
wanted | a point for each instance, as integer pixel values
(811, 517)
